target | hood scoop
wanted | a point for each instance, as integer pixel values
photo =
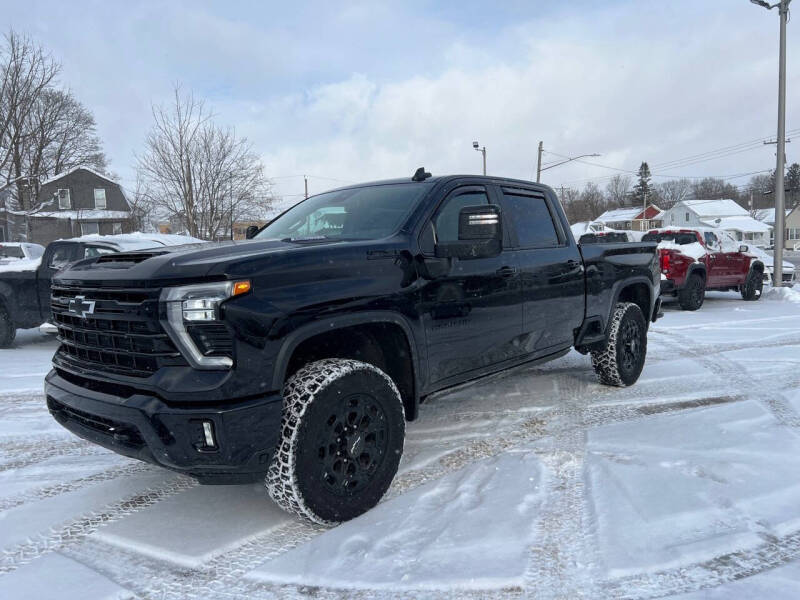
(123, 260)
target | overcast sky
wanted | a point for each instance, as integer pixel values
(361, 91)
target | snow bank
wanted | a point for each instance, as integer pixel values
(471, 529)
(782, 294)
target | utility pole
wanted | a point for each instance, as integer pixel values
(780, 212)
(305, 180)
(539, 163)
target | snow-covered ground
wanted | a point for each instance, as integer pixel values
(537, 482)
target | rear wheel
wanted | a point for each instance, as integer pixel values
(693, 293)
(621, 362)
(8, 330)
(342, 437)
(753, 285)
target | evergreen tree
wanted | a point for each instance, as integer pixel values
(792, 185)
(642, 189)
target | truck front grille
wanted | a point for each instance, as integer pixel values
(113, 330)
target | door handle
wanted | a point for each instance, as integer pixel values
(506, 271)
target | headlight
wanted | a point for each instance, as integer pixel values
(199, 303)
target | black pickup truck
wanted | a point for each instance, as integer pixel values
(296, 357)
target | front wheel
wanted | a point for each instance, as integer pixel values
(341, 441)
(621, 362)
(753, 285)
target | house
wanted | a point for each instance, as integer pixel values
(723, 214)
(631, 218)
(792, 238)
(77, 202)
(767, 215)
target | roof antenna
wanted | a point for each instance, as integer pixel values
(420, 175)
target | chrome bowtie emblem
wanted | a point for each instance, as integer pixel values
(80, 306)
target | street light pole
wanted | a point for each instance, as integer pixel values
(482, 151)
(780, 212)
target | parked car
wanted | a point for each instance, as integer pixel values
(296, 357)
(13, 252)
(694, 260)
(25, 285)
(768, 259)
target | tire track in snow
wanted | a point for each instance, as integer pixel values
(67, 448)
(78, 528)
(57, 489)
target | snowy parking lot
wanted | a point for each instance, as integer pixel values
(536, 482)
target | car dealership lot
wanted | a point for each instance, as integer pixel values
(539, 479)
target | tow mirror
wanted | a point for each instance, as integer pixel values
(251, 232)
(744, 248)
(480, 234)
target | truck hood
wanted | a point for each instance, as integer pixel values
(192, 261)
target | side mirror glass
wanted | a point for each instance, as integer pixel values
(744, 248)
(480, 234)
(251, 232)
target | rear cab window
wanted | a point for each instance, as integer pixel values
(531, 216)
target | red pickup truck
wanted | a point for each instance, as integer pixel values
(699, 259)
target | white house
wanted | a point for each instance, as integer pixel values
(723, 214)
(767, 215)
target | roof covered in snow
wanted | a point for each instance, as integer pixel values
(745, 224)
(78, 168)
(767, 215)
(84, 215)
(715, 208)
(619, 214)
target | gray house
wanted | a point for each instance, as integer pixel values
(78, 202)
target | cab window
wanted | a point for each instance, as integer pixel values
(92, 251)
(445, 223)
(60, 257)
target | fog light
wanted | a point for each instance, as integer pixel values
(208, 434)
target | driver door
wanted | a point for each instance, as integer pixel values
(472, 313)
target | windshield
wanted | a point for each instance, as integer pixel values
(363, 213)
(11, 252)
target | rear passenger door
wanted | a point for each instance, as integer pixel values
(551, 270)
(717, 268)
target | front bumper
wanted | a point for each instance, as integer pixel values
(172, 436)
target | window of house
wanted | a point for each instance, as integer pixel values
(64, 201)
(687, 217)
(532, 221)
(100, 198)
(116, 228)
(89, 228)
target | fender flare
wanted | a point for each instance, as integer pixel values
(6, 293)
(327, 324)
(616, 291)
(694, 268)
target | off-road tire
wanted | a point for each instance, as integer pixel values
(693, 293)
(7, 329)
(341, 441)
(621, 362)
(753, 285)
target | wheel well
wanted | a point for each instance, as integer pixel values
(383, 345)
(697, 271)
(639, 294)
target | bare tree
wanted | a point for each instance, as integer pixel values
(593, 201)
(199, 173)
(618, 190)
(668, 193)
(712, 188)
(26, 70)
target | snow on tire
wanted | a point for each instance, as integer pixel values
(621, 361)
(341, 441)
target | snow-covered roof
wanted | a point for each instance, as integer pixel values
(78, 168)
(619, 214)
(85, 215)
(715, 208)
(745, 224)
(767, 215)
